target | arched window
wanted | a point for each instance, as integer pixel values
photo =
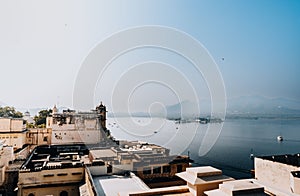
(63, 193)
(31, 194)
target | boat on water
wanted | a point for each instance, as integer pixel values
(251, 156)
(279, 138)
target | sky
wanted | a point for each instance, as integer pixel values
(43, 45)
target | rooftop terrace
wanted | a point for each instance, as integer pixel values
(55, 156)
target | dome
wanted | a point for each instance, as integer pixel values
(54, 110)
(26, 113)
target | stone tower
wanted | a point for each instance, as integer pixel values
(101, 109)
(54, 110)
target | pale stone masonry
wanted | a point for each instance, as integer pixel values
(13, 132)
(200, 179)
(238, 187)
(278, 173)
(71, 127)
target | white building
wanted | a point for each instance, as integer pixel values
(28, 118)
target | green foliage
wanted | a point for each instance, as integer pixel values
(10, 112)
(29, 125)
(40, 119)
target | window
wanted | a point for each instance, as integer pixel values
(31, 194)
(46, 139)
(48, 175)
(147, 170)
(76, 173)
(167, 169)
(179, 168)
(63, 193)
(157, 170)
(109, 169)
(62, 174)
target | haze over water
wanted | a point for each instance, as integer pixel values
(231, 153)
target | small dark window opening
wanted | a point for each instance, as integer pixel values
(109, 169)
(147, 170)
(179, 168)
(157, 170)
(167, 169)
(63, 193)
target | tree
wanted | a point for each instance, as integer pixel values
(10, 112)
(40, 119)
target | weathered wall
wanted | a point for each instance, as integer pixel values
(8, 125)
(10, 183)
(275, 174)
(75, 136)
(72, 190)
(16, 140)
(39, 136)
(51, 176)
(98, 170)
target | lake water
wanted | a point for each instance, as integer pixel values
(231, 151)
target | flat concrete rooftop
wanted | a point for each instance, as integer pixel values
(103, 153)
(203, 175)
(112, 185)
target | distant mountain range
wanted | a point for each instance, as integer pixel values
(244, 105)
(185, 109)
(262, 105)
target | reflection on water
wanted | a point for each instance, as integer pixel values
(231, 152)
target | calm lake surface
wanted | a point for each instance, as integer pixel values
(231, 151)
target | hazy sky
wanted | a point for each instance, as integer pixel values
(43, 44)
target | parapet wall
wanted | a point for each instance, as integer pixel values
(274, 174)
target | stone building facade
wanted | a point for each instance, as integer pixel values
(70, 127)
(13, 132)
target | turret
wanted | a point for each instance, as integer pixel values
(54, 110)
(101, 109)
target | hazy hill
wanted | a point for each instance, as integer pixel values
(257, 105)
(185, 109)
(263, 105)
